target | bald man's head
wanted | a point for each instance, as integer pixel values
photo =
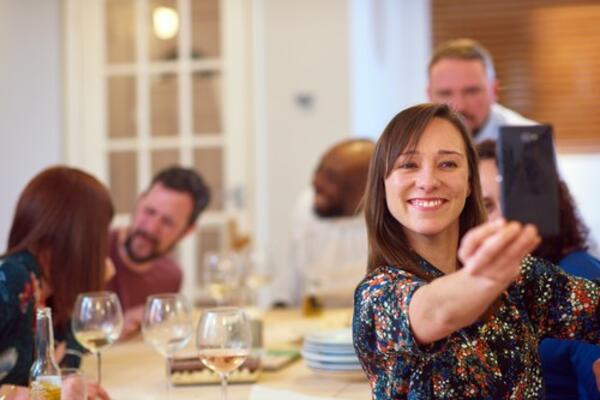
(340, 179)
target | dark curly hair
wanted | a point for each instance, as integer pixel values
(574, 234)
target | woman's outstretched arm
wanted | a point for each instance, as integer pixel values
(491, 255)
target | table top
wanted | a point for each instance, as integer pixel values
(132, 370)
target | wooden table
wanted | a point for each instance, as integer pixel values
(133, 371)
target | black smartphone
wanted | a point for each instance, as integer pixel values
(529, 181)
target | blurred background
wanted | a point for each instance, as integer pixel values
(251, 92)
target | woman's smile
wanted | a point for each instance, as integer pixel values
(427, 204)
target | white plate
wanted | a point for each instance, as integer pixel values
(329, 350)
(332, 358)
(333, 367)
(353, 376)
(332, 337)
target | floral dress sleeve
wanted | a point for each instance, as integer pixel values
(17, 303)
(559, 305)
(383, 338)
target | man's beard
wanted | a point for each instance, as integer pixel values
(142, 259)
(467, 119)
(333, 211)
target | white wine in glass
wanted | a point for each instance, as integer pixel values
(167, 325)
(223, 340)
(221, 277)
(97, 321)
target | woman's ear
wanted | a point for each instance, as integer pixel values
(109, 269)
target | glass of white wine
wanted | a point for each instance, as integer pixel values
(221, 277)
(255, 273)
(223, 340)
(97, 322)
(167, 325)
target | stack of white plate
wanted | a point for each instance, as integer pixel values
(331, 352)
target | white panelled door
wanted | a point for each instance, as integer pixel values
(151, 83)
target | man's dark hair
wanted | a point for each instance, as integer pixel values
(188, 181)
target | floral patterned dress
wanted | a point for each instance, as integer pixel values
(493, 359)
(19, 291)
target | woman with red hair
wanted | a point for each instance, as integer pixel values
(57, 248)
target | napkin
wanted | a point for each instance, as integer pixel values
(262, 393)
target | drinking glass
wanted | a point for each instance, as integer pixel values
(167, 325)
(97, 322)
(223, 340)
(73, 384)
(221, 277)
(255, 274)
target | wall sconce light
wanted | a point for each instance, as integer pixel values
(166, 22)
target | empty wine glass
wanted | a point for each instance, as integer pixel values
(221, 277)
(97, 322)
(167, 325)
(223, 340)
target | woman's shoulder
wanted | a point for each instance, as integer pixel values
(18, 288)
(21, 262)
(538, 271)
(16, 271)
(12, 266)
(383, 279)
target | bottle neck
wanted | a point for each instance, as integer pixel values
(44, 335)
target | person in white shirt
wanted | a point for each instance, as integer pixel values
(329, 238)
(462, 75)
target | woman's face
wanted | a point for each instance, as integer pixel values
(427, 188)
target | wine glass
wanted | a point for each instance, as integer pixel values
(167, 325)
(97, 322)
(255, 274)
(223, 340)
(221, 277)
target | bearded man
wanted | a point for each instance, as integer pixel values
(165, 213)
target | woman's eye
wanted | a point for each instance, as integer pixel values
(407, 165)
(448, 164)
(488, 206)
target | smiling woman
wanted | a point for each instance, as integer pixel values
(453, 307)
(427, 187)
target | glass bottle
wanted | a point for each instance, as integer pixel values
(44, 376)
(312, 306)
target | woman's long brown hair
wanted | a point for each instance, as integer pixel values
(65, 213)
(387, 242)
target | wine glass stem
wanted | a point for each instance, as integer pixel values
(98, 368)
(223, 386)
(168, 376)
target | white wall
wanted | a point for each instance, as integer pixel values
(389, 46)
(31, 100)
(306, 105)
(327, 70)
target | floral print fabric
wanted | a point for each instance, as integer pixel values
(19, 293)
(492, 359)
